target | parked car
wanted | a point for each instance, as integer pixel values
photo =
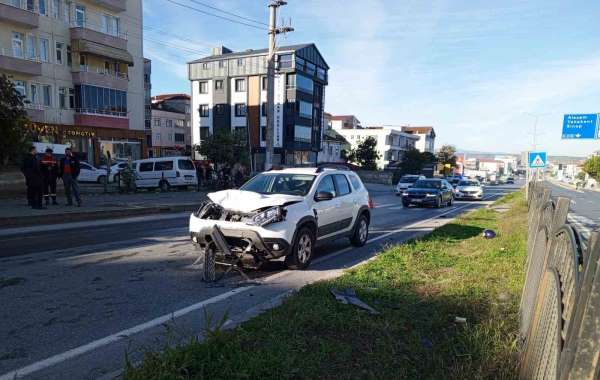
(89, 173)
(436, 192)
(407, 181)
(165, 172)
(510, 180)
(115, 169)
(469, 189)
(285, 213)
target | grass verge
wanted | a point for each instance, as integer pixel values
(419, 287)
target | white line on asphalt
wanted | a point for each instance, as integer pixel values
(93, 223)
(70, 354)
(53, 360)
(385, 205)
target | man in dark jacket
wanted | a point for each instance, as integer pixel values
(69, 171)
(33, 179)
(49, 174)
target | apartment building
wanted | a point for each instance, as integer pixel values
(80, 66)
(426, 142)
(229, 92)
(345, 122)
(391, 143)
(171, 132)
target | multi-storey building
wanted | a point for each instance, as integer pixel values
(426, 143)
(345, 122)
(171, 134)
(229, 92)
(391, 143)
(79, 65)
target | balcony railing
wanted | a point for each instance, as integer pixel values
(100, 112)
(19, 15)
(95, 28)
(19, 63)
(103, 71)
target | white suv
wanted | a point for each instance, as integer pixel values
(284, 213)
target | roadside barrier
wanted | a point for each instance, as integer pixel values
(560, 303)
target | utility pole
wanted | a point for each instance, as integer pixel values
(273, 32)
(536, 117)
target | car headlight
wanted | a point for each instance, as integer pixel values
(272, 215)
(405, 193)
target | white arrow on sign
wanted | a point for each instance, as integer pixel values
(537, 161)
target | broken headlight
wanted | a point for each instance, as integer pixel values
(271, 215)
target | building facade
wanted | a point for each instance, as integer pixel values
(148, 104)
(171, 120)
(391, 143)
(79, 65)
(426, 142)
(229, 92)
(345, 122)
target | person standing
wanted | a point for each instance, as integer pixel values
(49, 174)
(33, 179)
(69, 171)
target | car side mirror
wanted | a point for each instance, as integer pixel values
(323, 196)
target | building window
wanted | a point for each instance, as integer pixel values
(304, 84)
(310, 68)
(31, 45)
(169, 123)
(299, 63)
(291, 80)
(302, 133)
(305, 109)
(100, 100)
(204, 132)
(203, 86)
(221, 64)
(42, 7)
(203, 109)
(59, 53)
(321, 73)
(110, 25)
(263, 109)
(240, 85)
(219, 84)
(34, 94)
(44, 44)
(240, 62)
(180, 123)
(158, 137)
(47, 95)
(17, 44)
(220, 109)
(179, 137)
(71, 98)
(170, 136)
(20, 87)
(80, 16)
(157, 122)
(263, 133)
(240, 110)
(285, 61)
(205, 66)
(62, 97)
(239, 134)
(264, 83)
(56, 9)
(69, 56)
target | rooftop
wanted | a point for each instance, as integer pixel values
(423, 129)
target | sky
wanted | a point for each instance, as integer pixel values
(480, 72)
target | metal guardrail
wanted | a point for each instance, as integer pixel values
(560, 304)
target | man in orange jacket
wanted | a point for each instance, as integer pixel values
(49, 167)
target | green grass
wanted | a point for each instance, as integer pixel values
(419, 288)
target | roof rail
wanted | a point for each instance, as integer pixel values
(322, 167)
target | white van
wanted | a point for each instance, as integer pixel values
(165, 172)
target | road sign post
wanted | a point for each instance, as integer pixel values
(580, 126)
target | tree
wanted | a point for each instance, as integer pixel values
(413, 162)
(224, 147)
(365, 155)
(592, 167)
(13, 119)
(447, 157)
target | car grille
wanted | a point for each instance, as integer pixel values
(416, 195)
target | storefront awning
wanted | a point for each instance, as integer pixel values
(90, 47)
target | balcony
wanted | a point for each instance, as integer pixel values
(100, 77)
(89, 41)
(113, 5)
(19, 65)
(21, 17)
(100, 118)
(35, 112)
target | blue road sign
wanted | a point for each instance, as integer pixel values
(580, 126)
(537, 159)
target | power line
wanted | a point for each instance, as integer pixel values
(215, 15)
(188, 50)
(228, 13)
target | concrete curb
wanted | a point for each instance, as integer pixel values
(32, 220)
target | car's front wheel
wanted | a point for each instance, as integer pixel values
(302, 249)
(361, 232)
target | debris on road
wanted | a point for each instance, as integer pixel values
(460, 320)
(427, 343)
(489, 234)
(348, 296)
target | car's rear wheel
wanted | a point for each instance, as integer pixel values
(302, 249)
(406, 204)
(361, 232)
(164, 186)
(101, 179)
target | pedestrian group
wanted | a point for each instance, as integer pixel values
(41, 176)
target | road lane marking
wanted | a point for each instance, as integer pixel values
(70, 354)
(59, 358)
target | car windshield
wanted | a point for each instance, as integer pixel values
(468, 183)
(424, 184)
(293, 184)
(409, 179)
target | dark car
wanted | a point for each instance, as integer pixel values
(510, 180)
(435, 192)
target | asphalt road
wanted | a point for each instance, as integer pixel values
(584, 211)
(75, 300)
